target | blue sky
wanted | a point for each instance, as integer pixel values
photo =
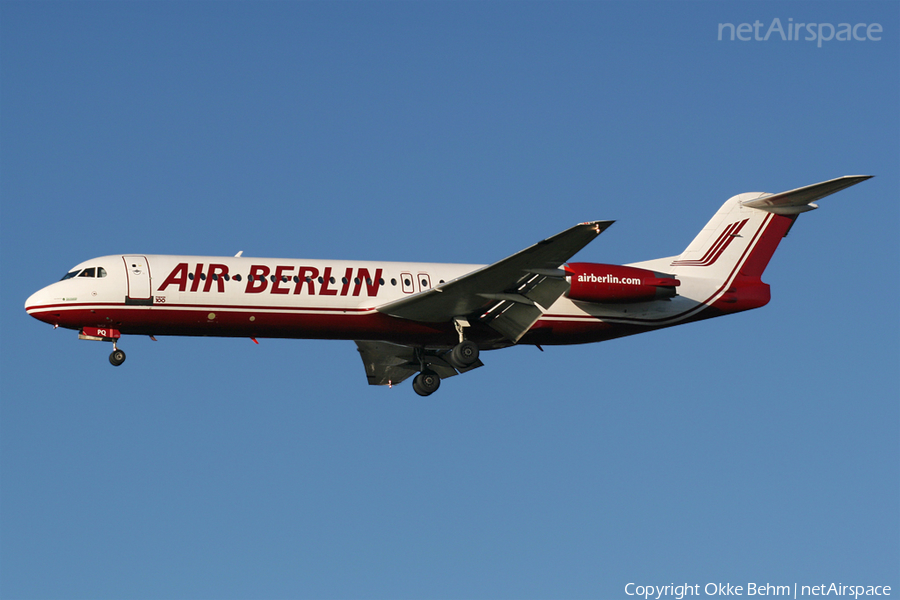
(762, 447)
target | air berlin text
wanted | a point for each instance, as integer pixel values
(592, 278)
(282, 279)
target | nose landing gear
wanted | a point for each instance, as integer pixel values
(117, 357)
(103, 334)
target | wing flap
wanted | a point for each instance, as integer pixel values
(514, 315)
(546, 291)
(513, 320)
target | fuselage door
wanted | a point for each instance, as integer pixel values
(137, 270)
(406, 283)
(424, 282)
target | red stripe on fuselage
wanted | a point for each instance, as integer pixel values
(249, 322)
(338, 324)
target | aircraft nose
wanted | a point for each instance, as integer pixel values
(34, 303)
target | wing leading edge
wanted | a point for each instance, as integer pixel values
(507, 295)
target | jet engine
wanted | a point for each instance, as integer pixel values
(594, 282)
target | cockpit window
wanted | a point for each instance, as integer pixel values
(89, 272)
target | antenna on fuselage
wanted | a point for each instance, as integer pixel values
(238, 254)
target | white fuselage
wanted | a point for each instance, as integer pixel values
(297, 298)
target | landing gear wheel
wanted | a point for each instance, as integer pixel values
(426, 383)
(117, 357)
(464, 354)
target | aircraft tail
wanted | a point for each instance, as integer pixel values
(727, 258)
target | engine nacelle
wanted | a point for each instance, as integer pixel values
(593, 282)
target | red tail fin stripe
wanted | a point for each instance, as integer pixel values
(717, 249)
(722, 239)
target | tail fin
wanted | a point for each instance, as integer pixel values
(729, 255)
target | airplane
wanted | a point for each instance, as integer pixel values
(431, 321)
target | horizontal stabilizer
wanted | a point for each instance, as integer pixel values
(801, 200)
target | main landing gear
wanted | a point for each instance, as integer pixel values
(464, 354)
(461, 357)
(426, 383)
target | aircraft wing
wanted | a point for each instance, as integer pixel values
(389, 364)
(794, 202)
(507, 295)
